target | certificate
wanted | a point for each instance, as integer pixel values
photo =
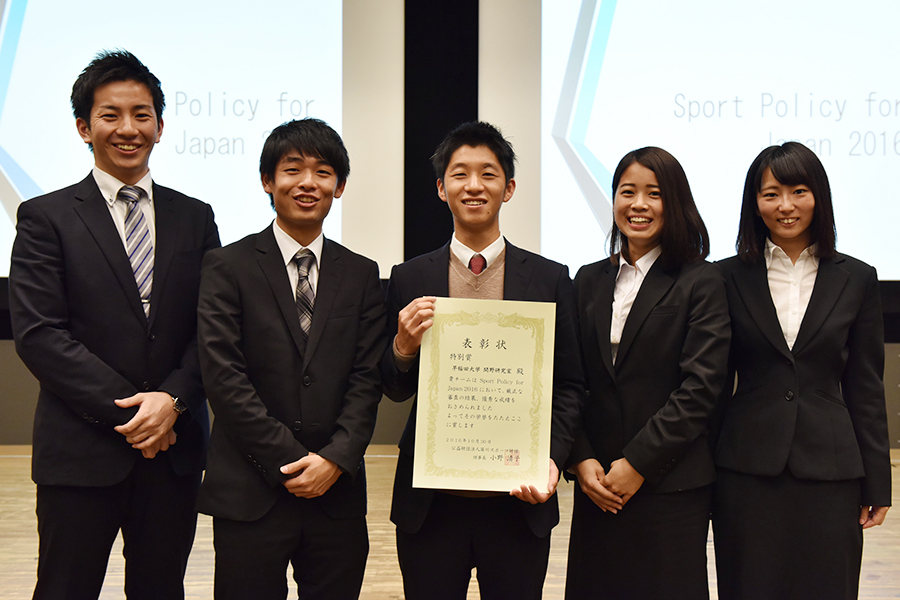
(485, 395)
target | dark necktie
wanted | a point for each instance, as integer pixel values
(305, 298)
(138, 243)
(477, 264)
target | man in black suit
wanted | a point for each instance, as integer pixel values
(442, 535)
(103, 298)
(291, 329)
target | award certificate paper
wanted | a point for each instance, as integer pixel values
(485, 396)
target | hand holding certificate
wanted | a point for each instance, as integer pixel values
(485, 396)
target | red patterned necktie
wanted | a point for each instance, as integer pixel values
(477, 264)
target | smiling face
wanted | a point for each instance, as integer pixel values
(123, 129)
(474, 186)
(302, 192)
(787, 211)
(639, 210)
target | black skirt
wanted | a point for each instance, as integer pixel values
(781, 538)
(655, 547)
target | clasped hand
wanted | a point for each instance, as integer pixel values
(609, 491)
(150, 430)
(313, 475)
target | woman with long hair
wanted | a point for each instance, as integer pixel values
(654, 337)
(802, 452)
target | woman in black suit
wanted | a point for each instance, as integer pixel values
(654, 338)
(802, 454)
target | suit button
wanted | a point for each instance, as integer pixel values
(298, 425)
(146, 386)
(151, 337)
(306, 380)
(789, 396)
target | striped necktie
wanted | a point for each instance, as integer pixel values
(305, 298)
(138, 244)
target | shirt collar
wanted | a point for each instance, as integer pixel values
(773, 250)
(643, 264)
(110, 186)
(465, 254)
(289, 246)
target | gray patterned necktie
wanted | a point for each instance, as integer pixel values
(138, 243)
(305, 298)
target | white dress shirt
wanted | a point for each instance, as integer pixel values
(109, 188)
(465, 254)
(289, 248)
(628, 283)
(791, 286)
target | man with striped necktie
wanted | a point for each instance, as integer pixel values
(291, 329)
(103, 292)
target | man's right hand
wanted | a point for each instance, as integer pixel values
(412, 323)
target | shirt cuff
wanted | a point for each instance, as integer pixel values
(403, 362)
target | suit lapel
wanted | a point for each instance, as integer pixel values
(752, 284)
(329, 285)
(602, 313)
(656, 284)
(830, 282)
(517, 274)
(94, 212)
(167, 230)
(435, 280)
(272, 264)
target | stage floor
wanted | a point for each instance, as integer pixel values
(19, 541)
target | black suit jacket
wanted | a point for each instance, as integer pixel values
(654, 404)
(80, 328)
(818, 408)
(527, 277)
(274, 400)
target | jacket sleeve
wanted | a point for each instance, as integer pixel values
(40, 320)
(568, 377)
(399, 385)
(356, 422)
(185, 382)
(863, 390)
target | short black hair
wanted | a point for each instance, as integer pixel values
(684, 237)
(792, 163)
(474, 134)
(306, 137)
(107, 67)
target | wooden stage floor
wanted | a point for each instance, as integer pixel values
(19, 541)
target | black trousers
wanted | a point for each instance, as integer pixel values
(328, 555)
(655, 547)
(154, 508)
(782, 538)
(459, 534)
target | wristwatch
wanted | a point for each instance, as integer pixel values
(177, 404)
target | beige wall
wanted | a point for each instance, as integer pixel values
(509, 96)
(373, 130)
(18, 396)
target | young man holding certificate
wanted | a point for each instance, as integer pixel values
(443, 534)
